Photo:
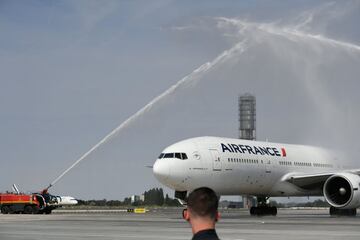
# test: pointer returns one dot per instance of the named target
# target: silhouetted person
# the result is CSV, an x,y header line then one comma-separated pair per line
x,y
202,213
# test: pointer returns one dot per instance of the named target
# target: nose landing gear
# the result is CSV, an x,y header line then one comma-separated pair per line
x,y
263,208
181,197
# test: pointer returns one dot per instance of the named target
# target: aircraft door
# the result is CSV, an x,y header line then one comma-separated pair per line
x,y
268,166
216,159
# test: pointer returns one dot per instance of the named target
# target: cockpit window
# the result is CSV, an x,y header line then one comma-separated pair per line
x,y
169,155
182,156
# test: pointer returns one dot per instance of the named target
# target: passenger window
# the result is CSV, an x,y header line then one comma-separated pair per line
x,y
161,156
169,155
183,156
178,155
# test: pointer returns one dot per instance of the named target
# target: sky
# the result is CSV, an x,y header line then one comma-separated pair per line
x,y
72,71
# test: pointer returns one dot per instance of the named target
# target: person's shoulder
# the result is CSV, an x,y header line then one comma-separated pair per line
x,y
209,234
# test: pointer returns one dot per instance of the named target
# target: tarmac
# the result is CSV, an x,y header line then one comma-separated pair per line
x,y
235,224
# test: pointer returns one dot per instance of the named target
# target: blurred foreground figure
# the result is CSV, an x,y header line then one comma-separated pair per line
x,y
202,213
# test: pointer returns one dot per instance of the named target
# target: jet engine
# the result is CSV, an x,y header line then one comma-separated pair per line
x,y
342,190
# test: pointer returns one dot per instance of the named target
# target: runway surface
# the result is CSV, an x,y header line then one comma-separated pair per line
x,y
168,224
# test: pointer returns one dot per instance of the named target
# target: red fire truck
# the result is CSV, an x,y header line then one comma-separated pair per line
x,y
26,203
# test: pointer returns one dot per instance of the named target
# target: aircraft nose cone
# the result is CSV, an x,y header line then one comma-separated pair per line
x,y
161,170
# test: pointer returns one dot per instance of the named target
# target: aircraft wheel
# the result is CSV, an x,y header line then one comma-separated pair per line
x,y
253,211
332,211
342,212
48,211
263,211
353,212
35,209
11,211
5,210
273,211
28,210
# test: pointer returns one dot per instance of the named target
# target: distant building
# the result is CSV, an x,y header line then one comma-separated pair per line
x,y
142,197
135,198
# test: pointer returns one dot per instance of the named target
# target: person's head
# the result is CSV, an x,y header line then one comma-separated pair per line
x,y
202,205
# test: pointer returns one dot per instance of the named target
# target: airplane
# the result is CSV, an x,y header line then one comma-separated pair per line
x,y
260,169
65,201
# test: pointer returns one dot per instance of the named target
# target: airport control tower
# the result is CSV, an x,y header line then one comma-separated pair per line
x,y
247,128
247,117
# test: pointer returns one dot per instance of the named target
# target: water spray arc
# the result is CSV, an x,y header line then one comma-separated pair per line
x,y
189,79
287,32
292,34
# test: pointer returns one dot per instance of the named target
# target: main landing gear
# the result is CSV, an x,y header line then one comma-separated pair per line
x,y
263,208
342,212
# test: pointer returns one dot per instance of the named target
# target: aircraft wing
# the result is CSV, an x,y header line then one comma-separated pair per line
x,y
313,181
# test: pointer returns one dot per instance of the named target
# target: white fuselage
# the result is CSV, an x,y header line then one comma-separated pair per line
x,y
240,167
62,201
66,200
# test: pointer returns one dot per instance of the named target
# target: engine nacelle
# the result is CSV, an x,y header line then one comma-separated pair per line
x,y
342,190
